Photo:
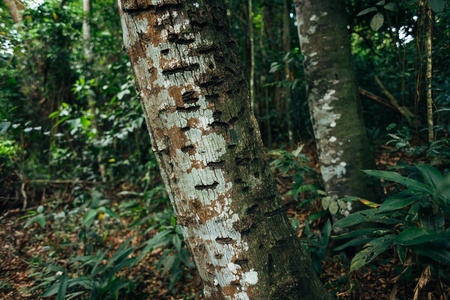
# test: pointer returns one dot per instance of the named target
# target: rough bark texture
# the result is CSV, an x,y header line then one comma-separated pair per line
x,y
333,100
207,142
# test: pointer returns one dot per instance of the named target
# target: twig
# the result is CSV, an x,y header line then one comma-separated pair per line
x,y
63,181
403,110
376,98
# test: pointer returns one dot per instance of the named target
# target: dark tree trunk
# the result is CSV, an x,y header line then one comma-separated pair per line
x,y
334,105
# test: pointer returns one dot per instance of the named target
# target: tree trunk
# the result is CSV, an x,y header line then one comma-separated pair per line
x,y
287,70
428,76
12,7
333,100
252,55
207,143
87,8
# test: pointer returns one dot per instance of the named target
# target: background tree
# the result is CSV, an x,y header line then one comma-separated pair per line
x,y
339,129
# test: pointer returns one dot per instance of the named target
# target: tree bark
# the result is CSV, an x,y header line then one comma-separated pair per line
x,y
252,55
12,7
429,72
207,143
333,100
287,70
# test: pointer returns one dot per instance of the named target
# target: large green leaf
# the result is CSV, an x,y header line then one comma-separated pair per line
x,y
62,288
415,236
355,218
438,254
377,21
442,191
371,250
432,176
354,242
408,182
399,201
90,215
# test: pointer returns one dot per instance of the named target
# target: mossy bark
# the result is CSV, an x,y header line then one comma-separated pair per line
x,y
196,102
334,105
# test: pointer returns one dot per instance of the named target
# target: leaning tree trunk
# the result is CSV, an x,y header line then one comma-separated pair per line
x,y
207,142
333,100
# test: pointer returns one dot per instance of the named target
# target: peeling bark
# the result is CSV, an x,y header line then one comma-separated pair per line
x,y
333,100
207,142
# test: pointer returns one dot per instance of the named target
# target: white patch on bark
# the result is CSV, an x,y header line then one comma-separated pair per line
x,y
333,138
251,277
329,172
313,18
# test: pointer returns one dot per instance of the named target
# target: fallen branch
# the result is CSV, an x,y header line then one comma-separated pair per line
x,y
402,109
63,181
374,97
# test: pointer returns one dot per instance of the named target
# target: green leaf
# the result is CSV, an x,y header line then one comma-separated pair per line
x,y
393,176
391,6
317,215
366,11
82,281
28,223
442,191
40,209
438,254
90,215
415,236
356,218
370,251
109,211
41,220
62,288
432,176
354,242
377,21
362,232
398,201
334,207
176,242
50,291
437,5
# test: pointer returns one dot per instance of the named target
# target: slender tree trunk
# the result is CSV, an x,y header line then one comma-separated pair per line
x,y
207,143
88,54
252,54
428,76
12,7
333,100
87,36
287,70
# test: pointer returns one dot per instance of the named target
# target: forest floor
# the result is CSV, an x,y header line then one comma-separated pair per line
x,y
22,251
